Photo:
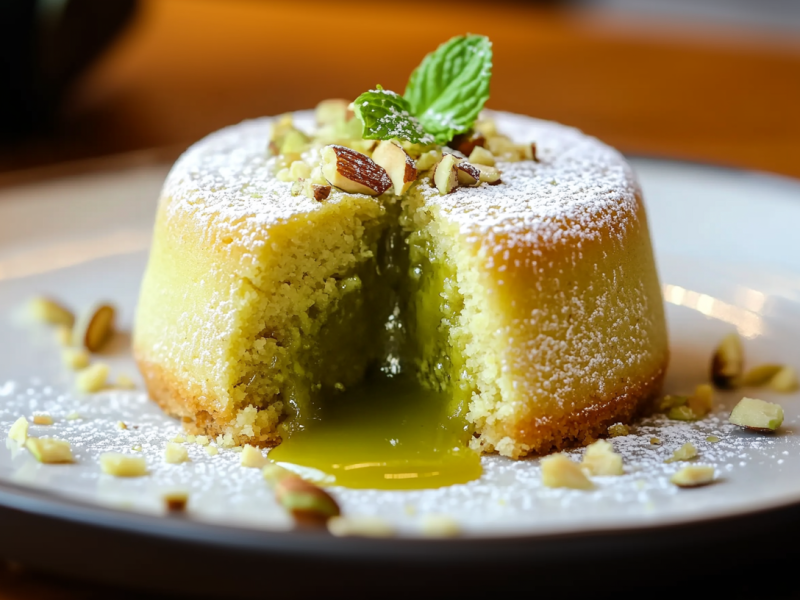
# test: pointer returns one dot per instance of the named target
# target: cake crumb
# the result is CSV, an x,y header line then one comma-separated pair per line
x,y
179,439
693,476
122,465
600,459
212,450
175,453
19,431
92,379
373,527
202,440
42,419
191,439
618,430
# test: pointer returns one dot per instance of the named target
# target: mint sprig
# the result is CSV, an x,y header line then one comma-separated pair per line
x,y
443,98
386,115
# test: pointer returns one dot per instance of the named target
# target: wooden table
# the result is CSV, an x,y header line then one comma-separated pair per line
x,y
661,88
187,67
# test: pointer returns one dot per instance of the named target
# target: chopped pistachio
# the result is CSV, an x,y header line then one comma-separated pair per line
x,y
50,311
785,380
49,450
757,415
671,401
712,439
19,431
95,327
360,526
727,362
42,419
175,453
252,457
179,439
600,459
191,439
655,441
122,465
558,471
760,375
273,473
439,526
618,430
702,401
682,413
299,170
693,476
306,502
202,440
121,425
92,379
75,358
685,452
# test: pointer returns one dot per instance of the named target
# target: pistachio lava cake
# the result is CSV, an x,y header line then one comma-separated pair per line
x,y
295,257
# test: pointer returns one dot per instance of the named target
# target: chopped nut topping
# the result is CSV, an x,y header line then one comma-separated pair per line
x,y
306,502
374,527
468,174
92,379
600,459
490,175
49,450
19,431
466,143
75,358
760,375
785,381
175,454
273,474
64,335
757,415
252,457
353,172
439,526
702,401
445,176
335,110
558,471
481,156
655,441
428,160
49,311
712,439
123,465
727,362
685,452
121,425
95,327
682,413
191,439
176,501
179,439
212,450
42,419
693,476
202,440
618,430
398,165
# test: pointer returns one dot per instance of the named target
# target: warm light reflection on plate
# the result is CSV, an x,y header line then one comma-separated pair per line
x,y
747,322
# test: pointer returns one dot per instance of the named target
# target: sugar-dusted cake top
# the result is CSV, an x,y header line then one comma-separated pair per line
x,y
578,183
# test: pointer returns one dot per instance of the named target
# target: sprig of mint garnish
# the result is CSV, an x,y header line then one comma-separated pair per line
x,y
443,98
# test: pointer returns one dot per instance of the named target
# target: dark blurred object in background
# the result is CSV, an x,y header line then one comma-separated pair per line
x,y
44,46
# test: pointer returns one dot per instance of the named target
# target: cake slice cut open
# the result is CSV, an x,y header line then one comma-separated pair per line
x,y
530,311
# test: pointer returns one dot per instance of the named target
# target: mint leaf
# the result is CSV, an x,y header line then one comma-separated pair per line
x,y
386,115
448,90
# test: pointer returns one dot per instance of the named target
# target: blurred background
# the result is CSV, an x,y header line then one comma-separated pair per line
x,y
709,80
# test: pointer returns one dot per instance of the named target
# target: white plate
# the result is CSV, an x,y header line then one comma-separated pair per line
x,y
729,258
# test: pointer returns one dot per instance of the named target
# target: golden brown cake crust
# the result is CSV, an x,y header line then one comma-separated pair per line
x,y
538,435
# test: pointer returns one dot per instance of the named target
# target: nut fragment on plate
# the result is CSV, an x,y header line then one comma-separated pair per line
x,y
50,450
212,450
398,165
490,175
175,454
123,465
713,439
273,474
19,431
353,172
306,502
92,379
445,175
42,419
600,459
75,358
702,400
655,441
685,452
693,476
558,471
727,363
50,311
618,430
439,526
252,457
760,375
757,415
468,174
785,381
682,413
176,501
95,327
373,527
